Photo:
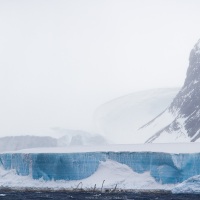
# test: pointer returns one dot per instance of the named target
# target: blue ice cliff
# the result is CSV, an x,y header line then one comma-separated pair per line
x,y
166,168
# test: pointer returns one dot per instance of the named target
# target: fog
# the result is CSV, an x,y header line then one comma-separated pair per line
x,y
61,59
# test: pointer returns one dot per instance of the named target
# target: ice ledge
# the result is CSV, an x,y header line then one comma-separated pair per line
x,y
175,148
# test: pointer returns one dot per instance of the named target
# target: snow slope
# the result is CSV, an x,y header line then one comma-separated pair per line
x,y
124,177
191,185
119,119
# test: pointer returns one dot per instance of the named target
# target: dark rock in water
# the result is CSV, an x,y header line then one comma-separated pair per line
x,y
185,109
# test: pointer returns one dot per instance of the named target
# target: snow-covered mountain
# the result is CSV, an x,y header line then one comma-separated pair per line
x,y
180,122
120,118
68,138
12,143
78,137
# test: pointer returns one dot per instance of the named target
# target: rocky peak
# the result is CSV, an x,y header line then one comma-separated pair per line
x,y
185,108
193,72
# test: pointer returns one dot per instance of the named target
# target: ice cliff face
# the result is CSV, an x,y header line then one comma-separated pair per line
x,y
165,168
181,121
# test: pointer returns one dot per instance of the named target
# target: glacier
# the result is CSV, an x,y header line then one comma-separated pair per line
x,y
126,114
164,167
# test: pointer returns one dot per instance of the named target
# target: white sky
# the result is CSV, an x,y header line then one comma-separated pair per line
x,y
59,60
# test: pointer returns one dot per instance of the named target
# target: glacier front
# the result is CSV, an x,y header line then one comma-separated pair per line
x,y
164,167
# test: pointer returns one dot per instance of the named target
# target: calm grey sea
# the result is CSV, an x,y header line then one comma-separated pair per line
x,y
91,195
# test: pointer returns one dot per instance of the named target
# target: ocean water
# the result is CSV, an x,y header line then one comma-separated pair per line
x,y
13,195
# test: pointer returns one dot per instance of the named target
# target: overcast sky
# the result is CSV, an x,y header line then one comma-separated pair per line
x,y
61,59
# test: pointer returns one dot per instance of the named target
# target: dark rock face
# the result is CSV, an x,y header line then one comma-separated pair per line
x,y
186,105
187,102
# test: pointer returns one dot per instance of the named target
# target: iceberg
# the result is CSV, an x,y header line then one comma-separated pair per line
x,y
109,173
164,167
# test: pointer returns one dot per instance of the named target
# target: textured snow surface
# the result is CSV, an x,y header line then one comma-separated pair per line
x,y
119,119
155,126
161,129
109,171
179,135
192,185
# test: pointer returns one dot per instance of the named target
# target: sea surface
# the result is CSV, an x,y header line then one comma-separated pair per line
x,y
13,195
